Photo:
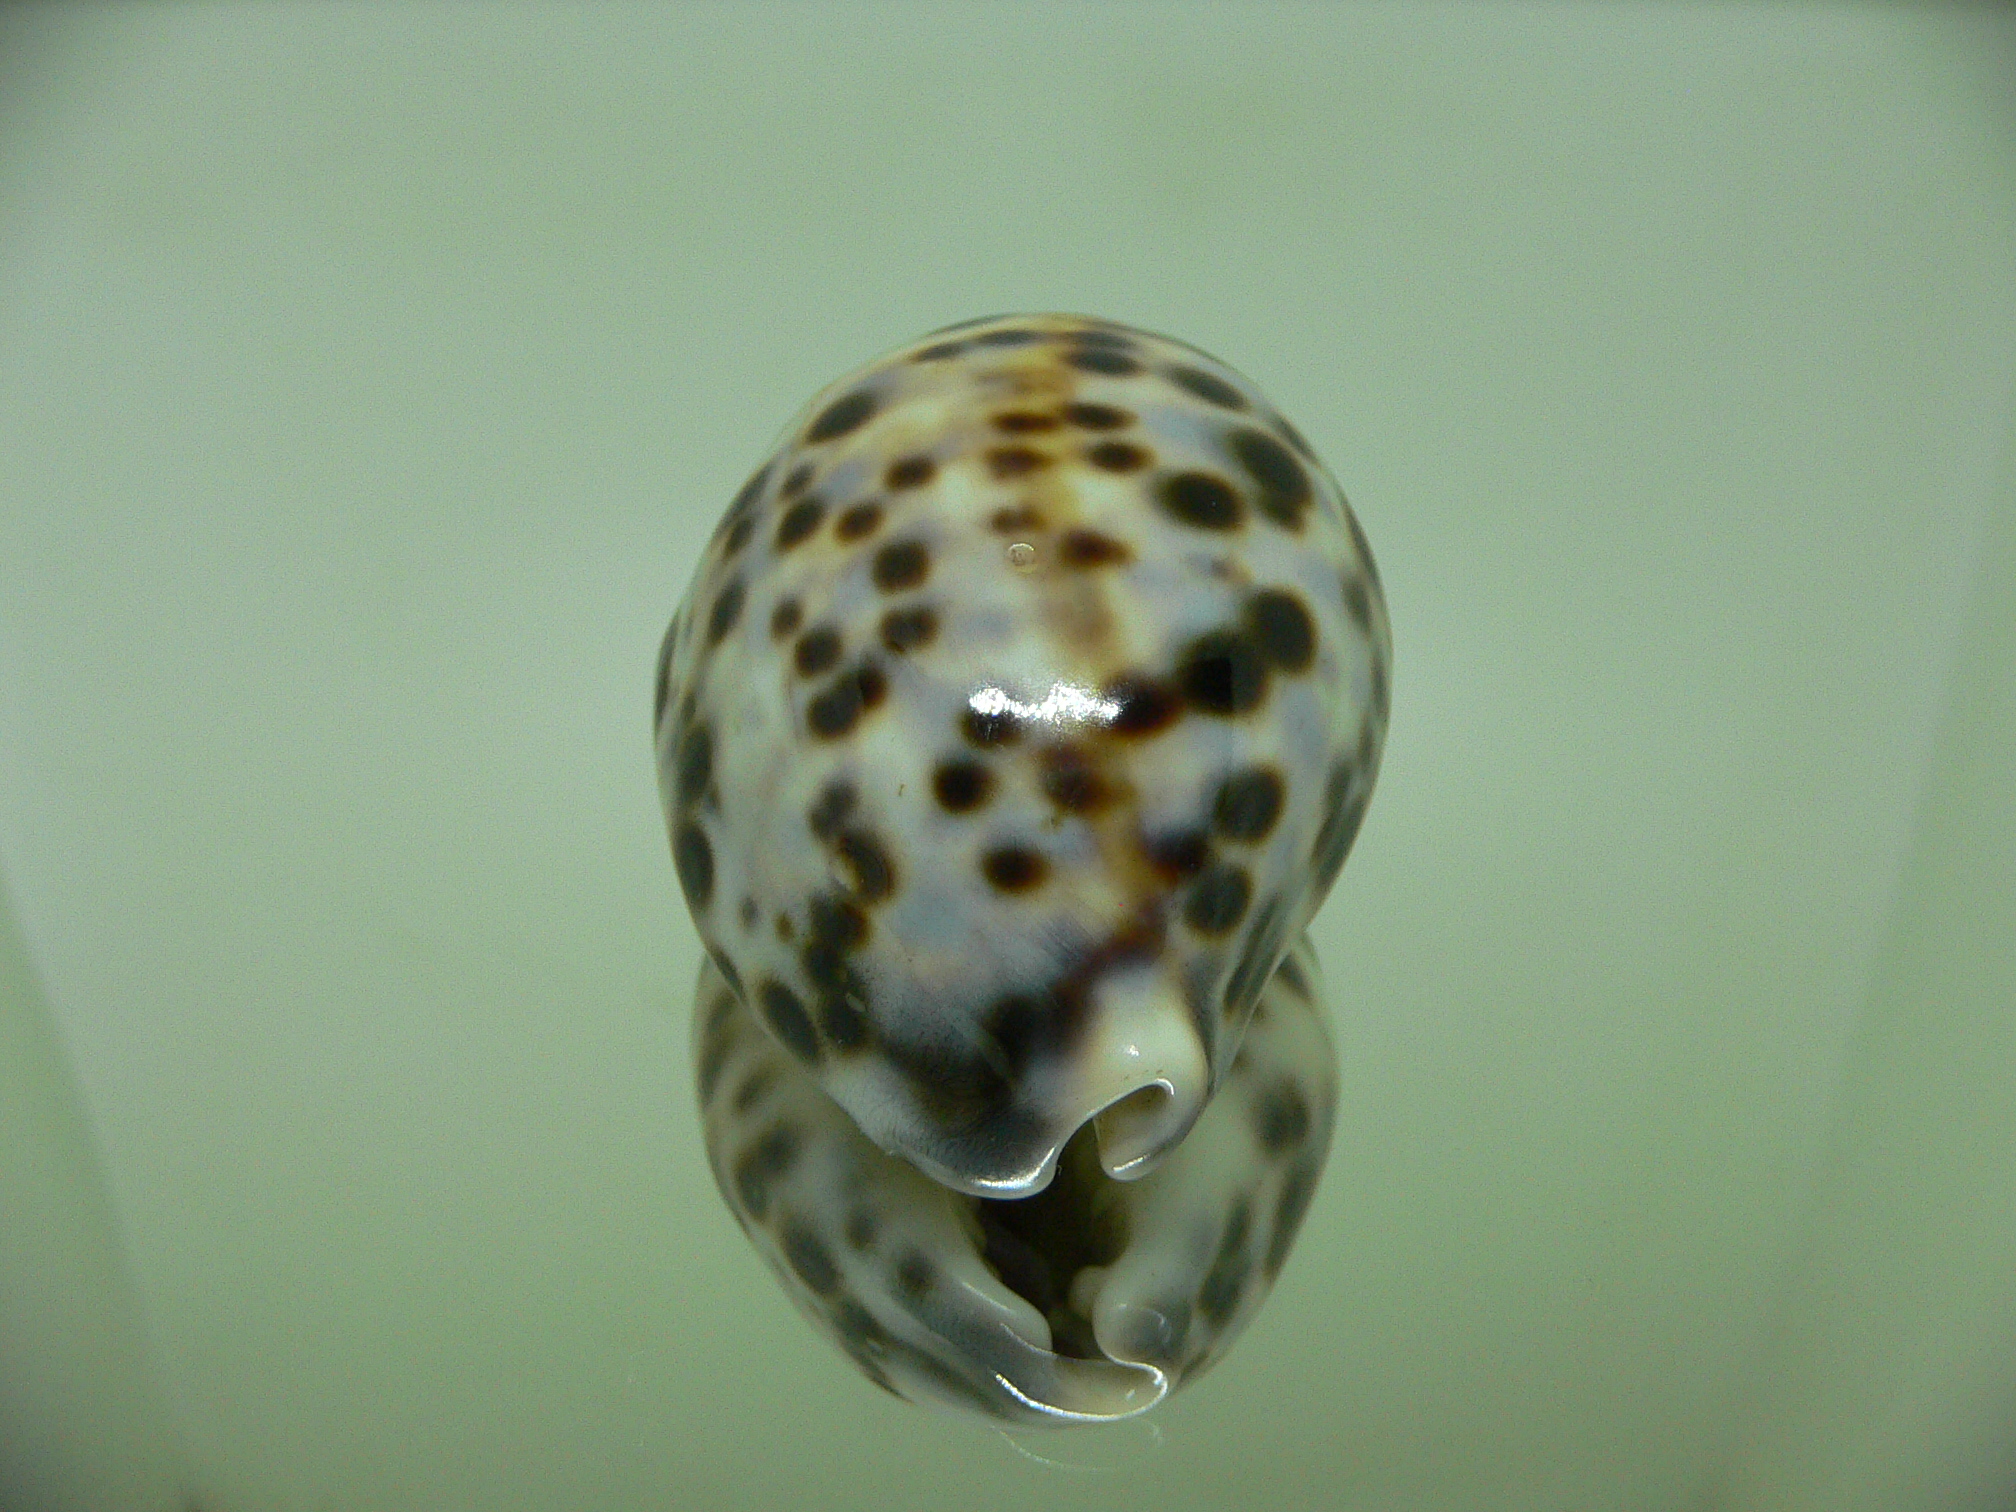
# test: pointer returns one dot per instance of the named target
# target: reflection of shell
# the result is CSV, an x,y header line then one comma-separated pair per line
x,y
1020,715
1088,1301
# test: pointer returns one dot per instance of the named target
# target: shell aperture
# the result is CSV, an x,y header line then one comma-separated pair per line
x,y
1023,708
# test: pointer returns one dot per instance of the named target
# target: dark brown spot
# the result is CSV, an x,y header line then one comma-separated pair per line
x,y
784,1012
833,920
1218,899
1248,803
861,1228
1281,485
859,520
696,763
713,1058
1014,868
991,727
1025,1029
1008,338
907,629
817,650
785,618
845,1026
900,565
738,535
1225,1283
1282,629
1256,959
727,610
834,710
910,472
799,521
1088,548
1344,812
1101,360
1206,386
1199,499
1071,781
746,497
872,873
1014,519
962,785
1118,456
842,416
693,857
1289,1210
806,1254
914,1275
1176,856
1024,422
1006,462
939,351
795,483
1223,674
1141,704
1102,335
1281,1117
754,1085
873,684
1097,417
959,1089
723,965
767,1160
830,809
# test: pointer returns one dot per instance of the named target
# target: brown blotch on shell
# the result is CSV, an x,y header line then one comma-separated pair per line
x,y
901,565
1024,422
817,650
842,416
1281,627
858,520
906,630
1014,519
989,727
1097,417
910,472
1014,868
962,785
799,521
1082,548
1208,387
727,610
868,865
1143,705
1118,456
1072,782
1005,462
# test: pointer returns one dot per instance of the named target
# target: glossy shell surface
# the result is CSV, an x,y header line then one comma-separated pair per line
x,y
1023,708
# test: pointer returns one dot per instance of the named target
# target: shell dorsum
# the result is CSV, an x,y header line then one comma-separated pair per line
x,y
1021,713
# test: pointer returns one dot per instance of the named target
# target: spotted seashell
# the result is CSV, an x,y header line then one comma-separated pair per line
x,y
1021,713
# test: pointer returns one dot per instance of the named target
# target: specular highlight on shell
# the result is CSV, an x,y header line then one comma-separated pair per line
x,y
1022,710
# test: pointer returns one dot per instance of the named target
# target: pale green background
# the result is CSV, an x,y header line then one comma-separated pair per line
x,y
368,380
